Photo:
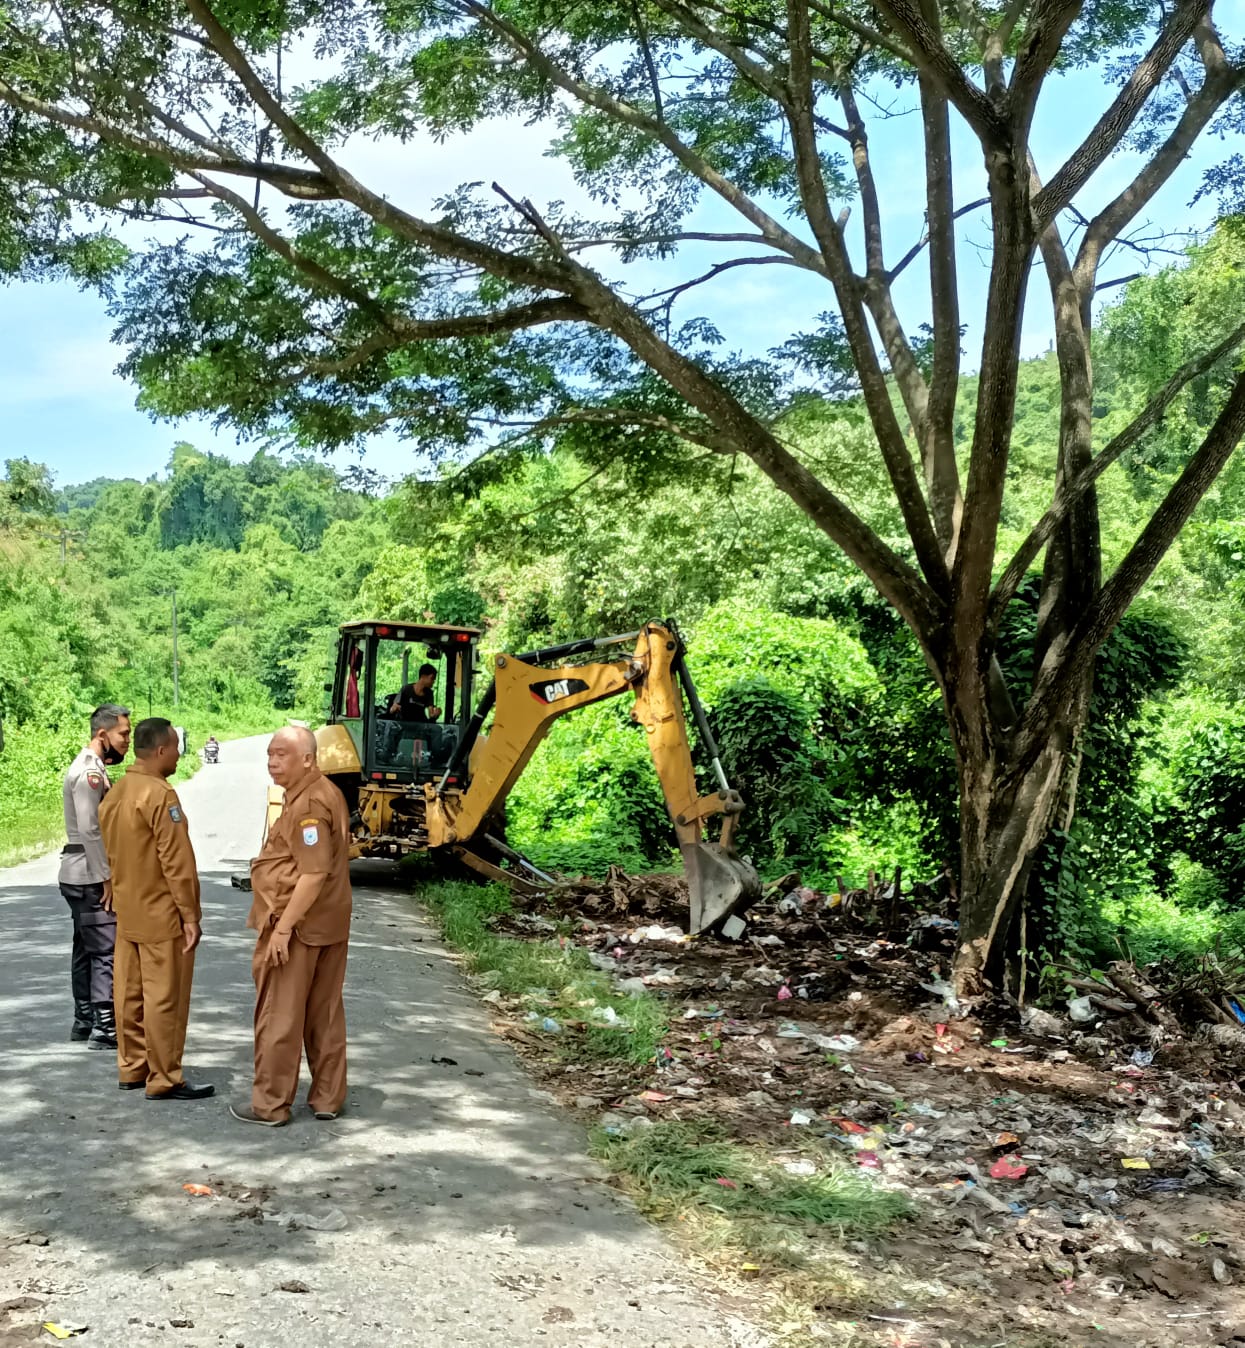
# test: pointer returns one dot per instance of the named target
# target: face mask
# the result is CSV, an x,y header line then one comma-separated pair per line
x,y
110,755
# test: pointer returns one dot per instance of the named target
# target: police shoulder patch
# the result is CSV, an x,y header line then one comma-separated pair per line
x,y
95,780
175,814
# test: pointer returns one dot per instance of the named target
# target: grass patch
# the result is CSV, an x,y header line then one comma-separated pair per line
x,y
554,978
679,1164
766,1225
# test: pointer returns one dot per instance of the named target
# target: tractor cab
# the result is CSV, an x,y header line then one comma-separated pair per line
x,y
403,693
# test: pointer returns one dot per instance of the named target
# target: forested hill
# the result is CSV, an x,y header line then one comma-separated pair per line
x,y
826,715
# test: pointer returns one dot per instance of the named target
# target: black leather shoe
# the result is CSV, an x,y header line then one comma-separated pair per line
x,y
184,1090
131,1085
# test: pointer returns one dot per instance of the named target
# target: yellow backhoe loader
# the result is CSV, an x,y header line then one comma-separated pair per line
x,y
440,785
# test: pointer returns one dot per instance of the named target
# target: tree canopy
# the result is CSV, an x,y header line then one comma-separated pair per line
x,y
323,308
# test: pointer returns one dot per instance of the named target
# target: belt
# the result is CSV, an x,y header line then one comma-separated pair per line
x,y
72,849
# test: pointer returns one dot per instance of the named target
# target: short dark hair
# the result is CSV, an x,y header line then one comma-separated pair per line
x,y
150,734
105,716
427,669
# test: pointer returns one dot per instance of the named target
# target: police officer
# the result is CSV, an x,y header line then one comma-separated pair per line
x,y
301,882
156,896
85,879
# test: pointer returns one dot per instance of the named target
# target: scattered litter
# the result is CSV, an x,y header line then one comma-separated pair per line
x,y
1081,1009
605,1015
784,993
1134,1163
453,1062
1142,1057
656,933
801,1118
727,1183
293,1285
654,1097
837,1043
63,1331
804,1169
734,927
1009,1167
199,1190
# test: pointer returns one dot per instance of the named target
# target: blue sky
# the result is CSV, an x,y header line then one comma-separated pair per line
x,y
62,404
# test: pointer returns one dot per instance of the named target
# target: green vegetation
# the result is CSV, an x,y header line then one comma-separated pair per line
x,y
676,1165
555,981
824,710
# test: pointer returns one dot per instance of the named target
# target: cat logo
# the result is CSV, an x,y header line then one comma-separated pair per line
x,y
554,690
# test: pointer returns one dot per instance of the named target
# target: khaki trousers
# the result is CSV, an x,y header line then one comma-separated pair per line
x,y
151,993
299,1005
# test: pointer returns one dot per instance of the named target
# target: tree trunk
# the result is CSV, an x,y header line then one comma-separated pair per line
x,y
1005,816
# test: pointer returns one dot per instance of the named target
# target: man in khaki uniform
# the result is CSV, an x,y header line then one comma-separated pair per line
x,y
301,883
85,880
155,893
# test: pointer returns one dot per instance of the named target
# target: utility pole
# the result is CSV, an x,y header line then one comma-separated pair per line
x,y
174,647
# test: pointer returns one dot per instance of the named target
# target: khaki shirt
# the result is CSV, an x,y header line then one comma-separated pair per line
x,y
311,837
155,884
85,785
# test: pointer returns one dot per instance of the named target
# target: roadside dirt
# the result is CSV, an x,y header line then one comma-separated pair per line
x,y
1074,1185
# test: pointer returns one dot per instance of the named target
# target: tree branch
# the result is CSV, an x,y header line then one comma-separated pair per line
x,y
829,236
1070,490
1068,661
919,247
1221,82
1113,125
625,113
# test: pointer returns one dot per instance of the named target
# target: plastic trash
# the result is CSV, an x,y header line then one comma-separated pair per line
x,y
1142,1057
734,927
1134,1163
1081,1009
1009,1167
784,993
199,1190
605,1015
941,988
801,1118
837,1043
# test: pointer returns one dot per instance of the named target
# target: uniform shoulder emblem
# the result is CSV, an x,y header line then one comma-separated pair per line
x,y
311,831
175,814
94,780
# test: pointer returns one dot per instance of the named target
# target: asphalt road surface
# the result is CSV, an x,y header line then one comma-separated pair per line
x,y
449,1205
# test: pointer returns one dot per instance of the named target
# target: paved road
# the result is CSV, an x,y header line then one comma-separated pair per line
x,y
451,1205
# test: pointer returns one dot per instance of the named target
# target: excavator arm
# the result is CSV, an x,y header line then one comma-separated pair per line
x,y
527,696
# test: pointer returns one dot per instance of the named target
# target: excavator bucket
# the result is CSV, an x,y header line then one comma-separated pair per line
x,y
719,884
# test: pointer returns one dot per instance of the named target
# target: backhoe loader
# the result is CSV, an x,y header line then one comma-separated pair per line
x,y
415,784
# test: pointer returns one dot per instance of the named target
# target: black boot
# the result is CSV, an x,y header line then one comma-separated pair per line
x,y
83,1020
104,1035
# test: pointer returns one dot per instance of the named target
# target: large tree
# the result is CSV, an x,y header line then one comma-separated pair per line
x,y
321,306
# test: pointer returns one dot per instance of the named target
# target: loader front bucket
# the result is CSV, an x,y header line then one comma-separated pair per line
x,y
719,883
